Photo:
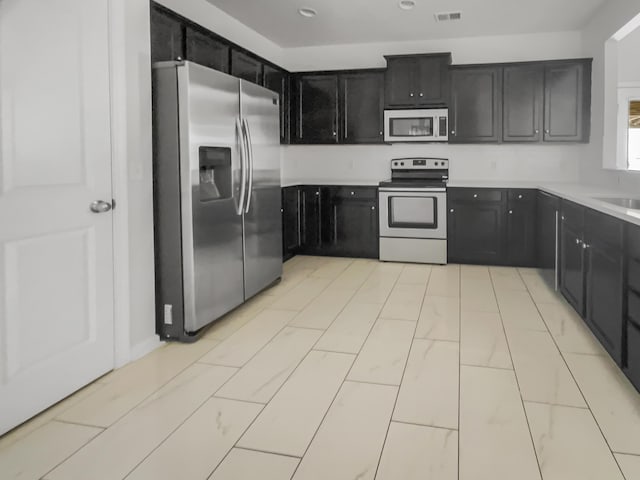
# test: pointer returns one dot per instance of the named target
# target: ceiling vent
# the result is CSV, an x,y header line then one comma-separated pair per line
x,y
448,16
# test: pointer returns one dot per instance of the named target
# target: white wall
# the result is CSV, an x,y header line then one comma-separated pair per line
x,y
507,48
628,58
472,162
609,19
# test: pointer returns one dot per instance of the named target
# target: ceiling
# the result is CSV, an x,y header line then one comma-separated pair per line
x,y
365,21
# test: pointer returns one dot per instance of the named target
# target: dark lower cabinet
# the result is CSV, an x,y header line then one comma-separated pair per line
x,y
353,222
605,280
330,220
572,256
521,228
246,67
632,324
547,216
205,50
476,225
167,38
310,219
290,221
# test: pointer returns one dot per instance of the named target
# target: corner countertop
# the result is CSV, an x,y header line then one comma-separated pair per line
x,y
586,195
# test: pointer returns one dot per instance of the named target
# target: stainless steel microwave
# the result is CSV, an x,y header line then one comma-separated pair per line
x,y
428,125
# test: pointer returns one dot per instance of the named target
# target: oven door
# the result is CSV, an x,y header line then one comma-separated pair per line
x,y
418,213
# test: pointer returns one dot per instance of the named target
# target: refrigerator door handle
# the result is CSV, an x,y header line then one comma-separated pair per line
x,y
243,169
247,133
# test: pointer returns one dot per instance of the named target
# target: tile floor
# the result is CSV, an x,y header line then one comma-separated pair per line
x,y
354,369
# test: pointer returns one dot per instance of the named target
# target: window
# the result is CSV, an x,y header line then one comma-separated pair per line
x,y
633,141
629,127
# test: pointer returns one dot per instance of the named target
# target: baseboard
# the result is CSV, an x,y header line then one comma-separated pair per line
x,y
146,346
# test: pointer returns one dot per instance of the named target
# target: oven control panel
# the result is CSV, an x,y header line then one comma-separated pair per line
x,y
419,164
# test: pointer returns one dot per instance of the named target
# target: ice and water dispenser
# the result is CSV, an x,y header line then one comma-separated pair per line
x,y
215,173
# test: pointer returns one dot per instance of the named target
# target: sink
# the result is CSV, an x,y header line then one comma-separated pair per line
x,y
632,203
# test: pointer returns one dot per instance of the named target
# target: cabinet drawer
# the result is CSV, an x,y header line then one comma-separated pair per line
x,y
361,193
521,195
603,228
634,308
573,215
633,354
476,195
633,240
634,273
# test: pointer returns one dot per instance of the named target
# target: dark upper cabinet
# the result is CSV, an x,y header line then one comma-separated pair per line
x,y
521,228
352,221
277,80
417,80
246,67
361,107
522,103
310,219
567,101
572,255
315,109
474,108
604,297
476,225
167,36
204,49
291,231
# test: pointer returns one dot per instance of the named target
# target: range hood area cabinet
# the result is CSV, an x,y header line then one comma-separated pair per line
x,y
337,107
532,102
417,81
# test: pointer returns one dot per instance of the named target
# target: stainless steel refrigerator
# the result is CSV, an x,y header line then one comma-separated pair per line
x,y
218,225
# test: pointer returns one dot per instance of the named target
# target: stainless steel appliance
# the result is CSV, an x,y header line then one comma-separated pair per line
x,y
428,125
218,226
413,211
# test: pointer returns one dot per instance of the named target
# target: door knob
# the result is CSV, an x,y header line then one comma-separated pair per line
x,y
100,206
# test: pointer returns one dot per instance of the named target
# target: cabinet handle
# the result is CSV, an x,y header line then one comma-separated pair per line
x,y
282,210
547,132
317,193
422,94
452,210
380,133
475,195
577,241
510,212
537,131
453,132
334,134
373,208
585,246
352,193
411,94
519,197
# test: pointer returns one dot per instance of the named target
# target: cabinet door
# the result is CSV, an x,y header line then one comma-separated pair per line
x,y
167,38
291,231
523,88
432,80
310,230
572,266
521,229
400,79
246,67
206,50
567,102
633,354
604,296
316,109
353,222
278,81
475,105
362,107
548,207
476,232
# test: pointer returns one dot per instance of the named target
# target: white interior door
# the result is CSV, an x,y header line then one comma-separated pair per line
x,y
56,259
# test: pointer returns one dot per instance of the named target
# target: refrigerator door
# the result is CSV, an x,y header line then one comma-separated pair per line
x,y
262,218
211,174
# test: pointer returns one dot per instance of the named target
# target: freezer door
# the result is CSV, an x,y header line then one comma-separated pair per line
x,y
211,186
262,218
